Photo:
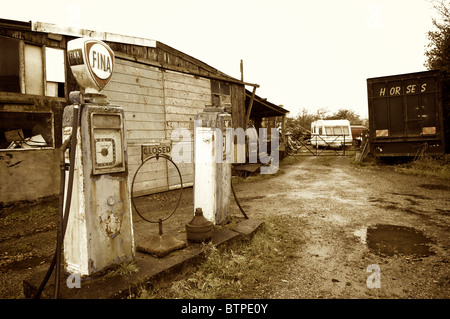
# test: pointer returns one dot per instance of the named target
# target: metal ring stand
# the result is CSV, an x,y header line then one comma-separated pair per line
x,y
157,156
162,244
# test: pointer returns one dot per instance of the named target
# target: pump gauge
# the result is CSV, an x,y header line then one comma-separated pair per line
x,y
105,151
107,143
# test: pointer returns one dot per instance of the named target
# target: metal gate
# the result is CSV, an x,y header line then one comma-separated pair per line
x,y
326,148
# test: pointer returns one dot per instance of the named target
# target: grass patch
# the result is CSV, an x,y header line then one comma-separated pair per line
x,y
437,166
123,269
27,212
235,270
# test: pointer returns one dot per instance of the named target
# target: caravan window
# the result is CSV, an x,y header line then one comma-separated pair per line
x,y
337,130
345,130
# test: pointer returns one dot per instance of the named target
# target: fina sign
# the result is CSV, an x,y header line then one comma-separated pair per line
x,y
92,63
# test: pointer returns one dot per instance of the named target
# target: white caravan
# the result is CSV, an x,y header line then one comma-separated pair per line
x,y
331,133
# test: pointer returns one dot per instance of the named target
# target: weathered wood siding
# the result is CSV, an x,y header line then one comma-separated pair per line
x,y
156,103
185,96
238,105
139,90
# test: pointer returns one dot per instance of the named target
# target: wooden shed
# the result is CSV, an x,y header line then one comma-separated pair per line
x,y
160,88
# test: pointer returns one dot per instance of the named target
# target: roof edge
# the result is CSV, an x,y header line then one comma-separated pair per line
x,y
104,36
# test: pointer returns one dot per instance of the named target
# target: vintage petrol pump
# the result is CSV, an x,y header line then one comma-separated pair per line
x,y
213,139
99,231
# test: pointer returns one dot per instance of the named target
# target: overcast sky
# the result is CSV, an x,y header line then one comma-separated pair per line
x,y
303,54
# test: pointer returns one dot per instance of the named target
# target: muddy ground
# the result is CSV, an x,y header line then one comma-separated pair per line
x,y
358,231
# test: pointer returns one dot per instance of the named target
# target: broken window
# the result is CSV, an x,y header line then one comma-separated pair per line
x,y
221,93
31,69
34,70
55,72
9,65
26,130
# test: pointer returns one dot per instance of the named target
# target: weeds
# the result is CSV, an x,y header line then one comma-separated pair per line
x,y
437,166
236,270
123,269
25,212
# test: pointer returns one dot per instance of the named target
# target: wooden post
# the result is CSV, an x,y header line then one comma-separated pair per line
x,y
247,118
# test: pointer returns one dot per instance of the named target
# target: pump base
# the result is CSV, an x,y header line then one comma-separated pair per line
x,y
160,245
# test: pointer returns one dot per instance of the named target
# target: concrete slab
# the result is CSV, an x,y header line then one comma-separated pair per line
x,y
248,227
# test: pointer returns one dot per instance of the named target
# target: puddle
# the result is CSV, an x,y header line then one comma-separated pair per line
x,y
391,239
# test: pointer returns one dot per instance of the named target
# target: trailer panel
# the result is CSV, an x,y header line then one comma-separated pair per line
x,y
407,114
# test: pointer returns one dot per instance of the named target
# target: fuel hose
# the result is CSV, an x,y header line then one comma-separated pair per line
x,y
63,214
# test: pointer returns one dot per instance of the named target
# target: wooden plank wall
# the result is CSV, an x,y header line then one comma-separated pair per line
x,y
185,96
238,105
139,90
156,103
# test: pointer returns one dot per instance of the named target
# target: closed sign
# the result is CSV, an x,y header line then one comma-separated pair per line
x,y
153,149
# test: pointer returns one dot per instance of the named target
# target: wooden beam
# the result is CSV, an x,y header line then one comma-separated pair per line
x,y
247,118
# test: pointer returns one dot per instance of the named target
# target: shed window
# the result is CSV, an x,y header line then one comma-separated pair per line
x,y
29,69
220,93
34,70
9,65
26,130
54,72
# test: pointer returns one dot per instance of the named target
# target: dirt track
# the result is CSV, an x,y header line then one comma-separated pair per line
x,y
330,207
334,208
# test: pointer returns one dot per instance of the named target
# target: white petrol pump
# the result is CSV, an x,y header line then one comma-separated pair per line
x,y
99,230
212,164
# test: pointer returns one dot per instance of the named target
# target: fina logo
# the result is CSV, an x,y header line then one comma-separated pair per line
x,y
92,63
100,62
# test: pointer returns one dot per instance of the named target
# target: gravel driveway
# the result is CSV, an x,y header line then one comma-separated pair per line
x,y
357,232
361,232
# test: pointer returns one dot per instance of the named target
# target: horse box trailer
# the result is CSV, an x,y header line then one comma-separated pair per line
x,y
409,114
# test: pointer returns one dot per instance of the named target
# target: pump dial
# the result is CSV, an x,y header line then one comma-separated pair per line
x,y
105,151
